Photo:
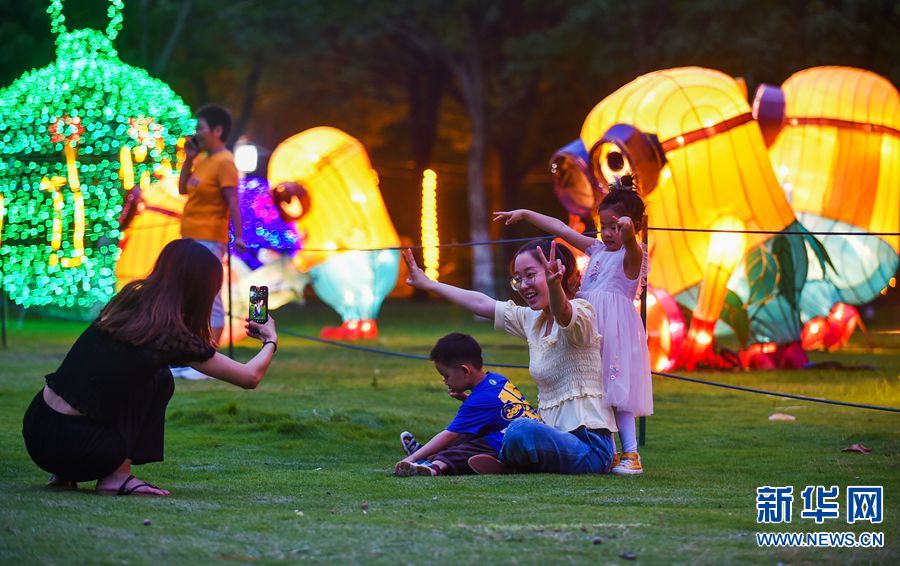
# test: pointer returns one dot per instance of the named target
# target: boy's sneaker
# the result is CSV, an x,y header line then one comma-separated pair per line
x,y
408,469
629,465
409,443
617,457
485,464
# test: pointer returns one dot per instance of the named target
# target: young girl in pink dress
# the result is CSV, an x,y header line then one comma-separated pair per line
x,y
611,283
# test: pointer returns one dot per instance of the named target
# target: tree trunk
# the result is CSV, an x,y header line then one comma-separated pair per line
x,y
251,86
511,146
174,35
510,183
426,83
145,32
468,69
473,90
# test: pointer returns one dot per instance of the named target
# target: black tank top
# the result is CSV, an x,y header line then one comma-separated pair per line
x,y
99,373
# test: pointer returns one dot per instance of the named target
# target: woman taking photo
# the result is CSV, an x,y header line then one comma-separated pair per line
x,y
104,409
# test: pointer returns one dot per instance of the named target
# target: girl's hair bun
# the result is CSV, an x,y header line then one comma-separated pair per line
x,y
622,183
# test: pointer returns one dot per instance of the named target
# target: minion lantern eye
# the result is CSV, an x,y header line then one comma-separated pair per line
x,y
625,150
292,200
615,161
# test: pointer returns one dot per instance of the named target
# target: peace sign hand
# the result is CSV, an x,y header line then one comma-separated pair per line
x,y
554,269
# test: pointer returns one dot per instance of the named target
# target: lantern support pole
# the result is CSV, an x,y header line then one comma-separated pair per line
x,y
228,320
642,421
3,314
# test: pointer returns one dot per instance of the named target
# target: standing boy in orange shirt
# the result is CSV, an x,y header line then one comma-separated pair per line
x,y
210,178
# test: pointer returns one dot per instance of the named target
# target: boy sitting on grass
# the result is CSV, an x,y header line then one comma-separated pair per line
x,y
478,427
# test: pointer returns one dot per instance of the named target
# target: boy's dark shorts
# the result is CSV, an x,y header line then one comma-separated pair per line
x,y
457,455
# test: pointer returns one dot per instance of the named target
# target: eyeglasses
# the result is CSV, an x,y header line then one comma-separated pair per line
x,y
517,282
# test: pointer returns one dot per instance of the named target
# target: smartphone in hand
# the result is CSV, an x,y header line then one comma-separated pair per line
x,y
192,143
259,304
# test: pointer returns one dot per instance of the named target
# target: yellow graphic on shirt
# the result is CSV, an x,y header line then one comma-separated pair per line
x,y
515,405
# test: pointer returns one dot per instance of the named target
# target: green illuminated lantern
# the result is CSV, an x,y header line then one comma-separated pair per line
x,y
75,138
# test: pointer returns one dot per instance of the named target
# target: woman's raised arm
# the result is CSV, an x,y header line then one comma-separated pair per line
x,y
246,375
478,303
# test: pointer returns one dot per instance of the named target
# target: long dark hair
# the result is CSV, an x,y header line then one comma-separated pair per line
x,y
174,301
570,279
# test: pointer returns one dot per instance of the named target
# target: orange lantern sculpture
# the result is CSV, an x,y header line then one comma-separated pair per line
x,y
327,174
665,329
689,137
835,147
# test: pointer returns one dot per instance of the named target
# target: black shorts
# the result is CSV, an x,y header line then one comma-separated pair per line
x,y
83,449
457,455
72,447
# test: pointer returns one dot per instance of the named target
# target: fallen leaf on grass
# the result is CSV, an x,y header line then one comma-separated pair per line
x,y
857,448
782,417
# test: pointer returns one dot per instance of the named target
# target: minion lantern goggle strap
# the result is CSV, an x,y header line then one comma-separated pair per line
x,y
625,150
769,109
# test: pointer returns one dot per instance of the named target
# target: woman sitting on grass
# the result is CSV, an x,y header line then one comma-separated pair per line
x,y
104,409
564,361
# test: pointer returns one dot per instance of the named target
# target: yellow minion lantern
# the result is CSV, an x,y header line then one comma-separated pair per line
x,y
689,138
835,147
323,178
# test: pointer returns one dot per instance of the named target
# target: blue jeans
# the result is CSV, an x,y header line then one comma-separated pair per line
x,y
538,447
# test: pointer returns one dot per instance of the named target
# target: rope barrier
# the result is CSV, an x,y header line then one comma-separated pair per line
x,y
777,393
594,233
658,373
775,232
549,237
372,350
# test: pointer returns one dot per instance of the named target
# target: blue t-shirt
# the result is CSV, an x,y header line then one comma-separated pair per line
x,y
489,409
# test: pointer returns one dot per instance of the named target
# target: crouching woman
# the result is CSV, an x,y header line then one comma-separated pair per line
x,y
104,409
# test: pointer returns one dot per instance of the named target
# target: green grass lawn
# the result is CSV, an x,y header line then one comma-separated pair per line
x,y
300,468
